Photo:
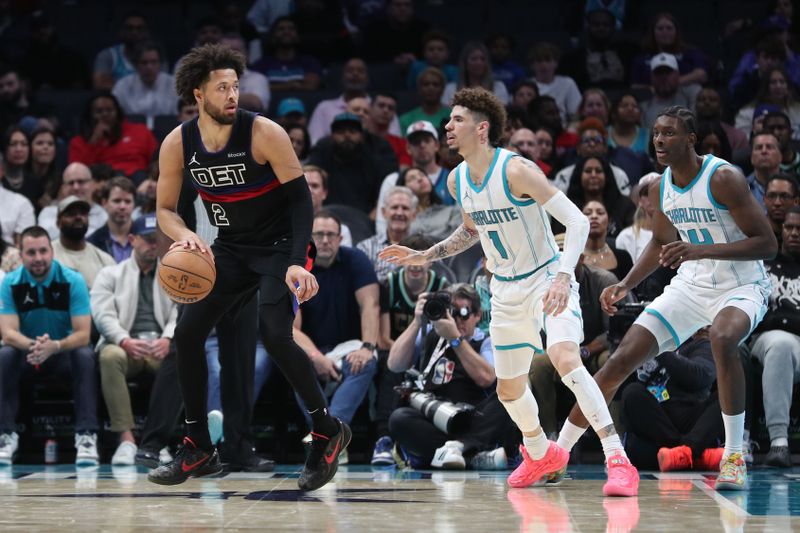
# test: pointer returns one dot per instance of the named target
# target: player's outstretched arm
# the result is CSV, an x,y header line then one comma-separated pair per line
x,y
168,190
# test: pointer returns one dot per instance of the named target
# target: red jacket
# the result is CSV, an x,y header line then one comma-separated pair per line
x,y
131,153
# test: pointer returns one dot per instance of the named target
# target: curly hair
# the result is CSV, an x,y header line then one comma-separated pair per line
x,y
486,106
196,66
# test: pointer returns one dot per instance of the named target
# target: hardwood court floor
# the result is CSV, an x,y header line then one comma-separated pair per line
x,y
35,498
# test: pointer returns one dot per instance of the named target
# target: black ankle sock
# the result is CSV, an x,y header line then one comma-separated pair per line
x,y
323,422
198,432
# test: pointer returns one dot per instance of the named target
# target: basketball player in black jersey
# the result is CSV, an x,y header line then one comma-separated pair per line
x,y
254,191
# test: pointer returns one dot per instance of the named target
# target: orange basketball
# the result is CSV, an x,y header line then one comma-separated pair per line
x,y
187,276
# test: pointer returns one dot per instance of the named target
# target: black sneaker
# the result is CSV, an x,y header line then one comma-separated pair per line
x,y
190,461
253,463
323,459
779,456
146,458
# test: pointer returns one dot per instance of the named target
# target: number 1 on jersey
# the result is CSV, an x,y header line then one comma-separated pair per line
x,y
498,244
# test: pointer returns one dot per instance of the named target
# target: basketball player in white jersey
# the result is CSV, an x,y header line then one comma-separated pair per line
x,y
720,282
505,201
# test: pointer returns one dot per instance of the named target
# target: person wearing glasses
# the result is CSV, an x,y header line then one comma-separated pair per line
x,y
780,196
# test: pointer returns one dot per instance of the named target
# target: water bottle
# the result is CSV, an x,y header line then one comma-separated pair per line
x,y
51,451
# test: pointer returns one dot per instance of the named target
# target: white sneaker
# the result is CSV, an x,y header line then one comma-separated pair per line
x,y
86,444
125,454
9,442
164,456
450,456
491,460
215,426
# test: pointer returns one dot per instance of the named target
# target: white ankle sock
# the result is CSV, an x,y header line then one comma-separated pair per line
x,y
780,441
734,433
536,446
612,446
570,434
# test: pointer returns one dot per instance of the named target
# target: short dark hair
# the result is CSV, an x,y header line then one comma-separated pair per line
x,y
34,232
468,292
783,176
794,210
482,102
120,182
684,116
417,241
324,213
196,66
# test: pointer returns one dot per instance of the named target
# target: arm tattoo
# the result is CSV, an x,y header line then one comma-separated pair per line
x,y
461,239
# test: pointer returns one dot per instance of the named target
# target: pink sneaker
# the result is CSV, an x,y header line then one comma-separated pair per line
x,y
530,471
623,478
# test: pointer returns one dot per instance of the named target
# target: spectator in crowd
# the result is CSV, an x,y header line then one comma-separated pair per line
x,y
665,37
42,165
117,198
423,146
780,126
673,417
45,322
381,113
77,181
594,103
317,180
395,36
665,78
117,61
433,218
354,168
711,139
545,139
231,17
254,87
523,92
774,89
457,365
345,308
594,143
15,100
107,137
766,160
399,209
430,85
355,80
398,300
598,252
635,237
600,60
16,215
136,321
475,70
15,163
186,110
282,63
71,249
594,350
207,30
148,91
543,111
292,111
501,48
525,143
9,255
781,195
708,108
301,143
48,63
543,59
776,344
435,53
625,125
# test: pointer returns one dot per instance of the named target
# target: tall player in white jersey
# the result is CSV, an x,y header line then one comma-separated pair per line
x,y
708,226
505,201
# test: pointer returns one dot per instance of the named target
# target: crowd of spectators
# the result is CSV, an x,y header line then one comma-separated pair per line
x,y
363,91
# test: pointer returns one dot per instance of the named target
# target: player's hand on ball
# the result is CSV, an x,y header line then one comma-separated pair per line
x,y
191,241
302,283
611,295
401,255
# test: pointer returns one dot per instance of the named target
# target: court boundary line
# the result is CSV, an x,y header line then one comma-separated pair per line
x,y
721,500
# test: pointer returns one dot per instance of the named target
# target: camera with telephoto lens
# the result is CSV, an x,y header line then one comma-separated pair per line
x,y
448,417
437,305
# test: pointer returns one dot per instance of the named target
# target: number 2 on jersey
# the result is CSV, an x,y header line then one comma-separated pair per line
x,y
220,218
498,244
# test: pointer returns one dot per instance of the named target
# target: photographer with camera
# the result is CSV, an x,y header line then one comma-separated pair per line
x,y
455,363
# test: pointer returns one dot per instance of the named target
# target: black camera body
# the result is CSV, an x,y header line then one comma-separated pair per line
x,y
436,306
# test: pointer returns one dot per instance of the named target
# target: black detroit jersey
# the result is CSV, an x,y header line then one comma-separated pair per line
x,y
243,199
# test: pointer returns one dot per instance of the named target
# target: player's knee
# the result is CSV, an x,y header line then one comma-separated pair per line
x,y
509,390
724,340
565,357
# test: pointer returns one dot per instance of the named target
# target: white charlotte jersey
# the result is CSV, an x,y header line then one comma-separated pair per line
x,y
700,219
515,233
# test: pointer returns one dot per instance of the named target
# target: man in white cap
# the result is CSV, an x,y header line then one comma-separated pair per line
x,y
667,90
423,145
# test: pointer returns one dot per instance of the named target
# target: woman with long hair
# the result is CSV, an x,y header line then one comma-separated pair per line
x,y
475,70
776,89
598,252
625,129
16,153
595,103
711,139
42,164
593,179
301,141
433,219
635,237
